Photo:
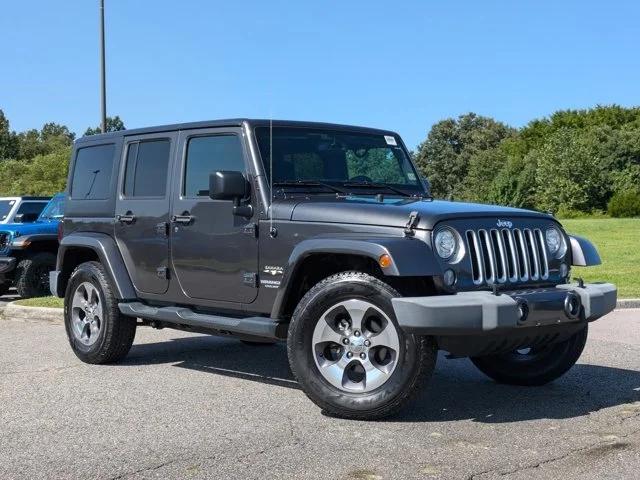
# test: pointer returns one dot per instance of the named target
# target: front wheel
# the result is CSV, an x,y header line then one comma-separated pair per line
x,y
348,353
534,366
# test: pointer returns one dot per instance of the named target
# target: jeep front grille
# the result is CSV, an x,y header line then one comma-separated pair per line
x,y
4,242
501,256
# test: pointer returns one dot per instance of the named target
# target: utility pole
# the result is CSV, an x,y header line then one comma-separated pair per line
x,y
103,80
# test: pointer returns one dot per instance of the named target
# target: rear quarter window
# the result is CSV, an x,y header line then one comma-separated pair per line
x,y
92,172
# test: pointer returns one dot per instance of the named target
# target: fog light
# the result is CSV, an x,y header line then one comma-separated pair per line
x,y
449,278
564,270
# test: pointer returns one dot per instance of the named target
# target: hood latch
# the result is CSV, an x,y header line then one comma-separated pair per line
x,y
409,228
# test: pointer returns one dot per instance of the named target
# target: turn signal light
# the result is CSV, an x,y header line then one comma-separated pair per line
x,y
385,260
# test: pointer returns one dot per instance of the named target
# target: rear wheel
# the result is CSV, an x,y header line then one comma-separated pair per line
x,y
32,275
534,366
97,331
348,353
4,288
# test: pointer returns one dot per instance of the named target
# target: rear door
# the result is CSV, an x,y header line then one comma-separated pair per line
x,y
142,210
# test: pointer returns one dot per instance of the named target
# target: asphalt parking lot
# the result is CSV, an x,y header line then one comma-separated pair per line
x,y
190,407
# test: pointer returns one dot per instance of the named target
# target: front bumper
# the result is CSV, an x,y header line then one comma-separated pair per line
x,y
7,264
472,313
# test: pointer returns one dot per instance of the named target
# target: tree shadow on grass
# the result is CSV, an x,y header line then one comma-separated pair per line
x,y
457,391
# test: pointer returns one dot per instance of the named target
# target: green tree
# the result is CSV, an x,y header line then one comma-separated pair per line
x,y
8,139
42,175
114,124
53,137
444,157
569,174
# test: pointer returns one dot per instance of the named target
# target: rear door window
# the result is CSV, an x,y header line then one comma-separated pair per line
x,y
146,169
92,172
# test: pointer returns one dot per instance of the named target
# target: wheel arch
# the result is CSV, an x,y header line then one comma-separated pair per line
x,y
412,266
79,248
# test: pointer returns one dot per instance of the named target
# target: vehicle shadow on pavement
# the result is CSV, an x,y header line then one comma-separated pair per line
x,y
457,391
221,356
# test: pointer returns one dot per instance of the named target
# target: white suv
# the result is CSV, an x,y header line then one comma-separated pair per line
x,y
21,209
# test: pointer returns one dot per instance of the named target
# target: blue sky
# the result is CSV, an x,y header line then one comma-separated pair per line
x,y
399,65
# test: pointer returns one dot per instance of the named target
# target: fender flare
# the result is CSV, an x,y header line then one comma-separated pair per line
x,y
107,251
410,257
583,252
23,241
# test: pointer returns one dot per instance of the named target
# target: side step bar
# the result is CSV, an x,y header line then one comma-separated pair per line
x,y
251,326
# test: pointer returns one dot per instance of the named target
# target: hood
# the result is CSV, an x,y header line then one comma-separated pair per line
x,y
391,212
38,227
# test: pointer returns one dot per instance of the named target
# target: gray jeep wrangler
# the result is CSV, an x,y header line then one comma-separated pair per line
x,y
321,235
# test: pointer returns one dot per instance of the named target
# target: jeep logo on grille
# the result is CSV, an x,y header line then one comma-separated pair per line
x,y
505,223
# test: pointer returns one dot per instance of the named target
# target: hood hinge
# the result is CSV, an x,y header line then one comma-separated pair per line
x,y
409,228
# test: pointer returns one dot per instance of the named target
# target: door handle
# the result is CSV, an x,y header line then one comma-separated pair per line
x,y
184,219
128,217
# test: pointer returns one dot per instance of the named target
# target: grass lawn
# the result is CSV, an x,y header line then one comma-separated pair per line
x,y
618,242
52,302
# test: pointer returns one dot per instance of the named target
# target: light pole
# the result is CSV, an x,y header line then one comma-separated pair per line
x,y
103,80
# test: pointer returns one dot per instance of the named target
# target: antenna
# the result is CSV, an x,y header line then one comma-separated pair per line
x,y
272,231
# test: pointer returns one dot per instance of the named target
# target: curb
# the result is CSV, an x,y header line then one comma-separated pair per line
x,y
32,314
628,303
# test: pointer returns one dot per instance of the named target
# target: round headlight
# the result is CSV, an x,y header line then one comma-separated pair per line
x,y
446,243
555,242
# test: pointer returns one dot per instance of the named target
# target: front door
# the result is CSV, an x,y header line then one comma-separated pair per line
x,y
142,210
214,252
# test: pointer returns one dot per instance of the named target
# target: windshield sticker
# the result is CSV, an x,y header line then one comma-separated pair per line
x,y
411,176
390,140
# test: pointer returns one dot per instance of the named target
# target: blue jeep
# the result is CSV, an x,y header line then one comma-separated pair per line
x,y
28,251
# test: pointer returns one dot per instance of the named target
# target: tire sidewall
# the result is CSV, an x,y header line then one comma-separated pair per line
x,y
301,349
86,273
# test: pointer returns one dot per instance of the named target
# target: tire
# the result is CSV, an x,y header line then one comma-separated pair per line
x,y
415,356
537,367
4,288
32,275
97,332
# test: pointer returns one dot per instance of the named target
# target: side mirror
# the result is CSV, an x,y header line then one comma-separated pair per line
x,y
230,185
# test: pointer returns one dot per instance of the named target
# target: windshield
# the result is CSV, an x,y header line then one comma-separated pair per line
x,y
54,209
349,160
5,208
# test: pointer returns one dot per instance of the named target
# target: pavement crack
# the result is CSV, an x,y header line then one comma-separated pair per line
x,y
546,461
145,469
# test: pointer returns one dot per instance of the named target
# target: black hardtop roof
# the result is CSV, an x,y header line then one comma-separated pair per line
x,y
232,122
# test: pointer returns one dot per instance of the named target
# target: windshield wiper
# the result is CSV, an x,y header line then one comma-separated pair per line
x,y
308,183
379,185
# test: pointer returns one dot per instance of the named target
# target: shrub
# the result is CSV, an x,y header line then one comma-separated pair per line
x,y
625,204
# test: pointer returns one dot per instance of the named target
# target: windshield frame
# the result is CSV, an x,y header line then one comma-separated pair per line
x,y
419,189
55,200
